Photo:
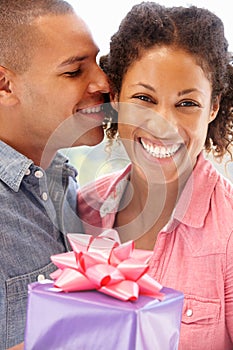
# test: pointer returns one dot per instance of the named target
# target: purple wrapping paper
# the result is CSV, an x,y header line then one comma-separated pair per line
x,y
94,321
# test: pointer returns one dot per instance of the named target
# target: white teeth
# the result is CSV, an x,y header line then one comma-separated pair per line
x,y
160,151
90,110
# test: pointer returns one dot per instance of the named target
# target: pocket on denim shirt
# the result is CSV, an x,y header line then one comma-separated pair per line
x,y
17,294
199,322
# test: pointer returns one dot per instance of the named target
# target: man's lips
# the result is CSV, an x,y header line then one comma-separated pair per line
x,y
91,109
95,112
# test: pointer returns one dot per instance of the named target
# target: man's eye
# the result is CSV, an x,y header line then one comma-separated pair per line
x,y
73,74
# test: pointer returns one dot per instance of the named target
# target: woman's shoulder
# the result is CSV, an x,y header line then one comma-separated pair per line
x,y
105,184
215,174
105,189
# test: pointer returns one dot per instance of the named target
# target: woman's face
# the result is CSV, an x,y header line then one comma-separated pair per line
x,y
164,111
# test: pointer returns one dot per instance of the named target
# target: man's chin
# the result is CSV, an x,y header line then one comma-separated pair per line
x,y
91,138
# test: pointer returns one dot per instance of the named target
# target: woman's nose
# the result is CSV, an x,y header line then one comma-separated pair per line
x,y
164,123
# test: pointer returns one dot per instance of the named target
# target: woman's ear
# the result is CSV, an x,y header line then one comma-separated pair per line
x,y
215,108
7,97
114,101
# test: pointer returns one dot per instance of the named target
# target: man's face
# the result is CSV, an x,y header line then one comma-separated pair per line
x,y
62,80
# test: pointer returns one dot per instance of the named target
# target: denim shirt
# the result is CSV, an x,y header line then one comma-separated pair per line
x,y
37,208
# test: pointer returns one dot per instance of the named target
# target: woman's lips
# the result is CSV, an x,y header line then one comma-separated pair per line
x,y
160,151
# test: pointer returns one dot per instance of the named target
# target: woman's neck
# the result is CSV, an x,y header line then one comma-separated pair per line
x,y
144,210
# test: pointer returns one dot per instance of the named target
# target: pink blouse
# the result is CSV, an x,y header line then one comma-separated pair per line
x,y
193,254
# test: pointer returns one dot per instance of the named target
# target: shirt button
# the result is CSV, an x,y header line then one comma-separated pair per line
x,y
28,172
44,196
39,174
189,312
40,278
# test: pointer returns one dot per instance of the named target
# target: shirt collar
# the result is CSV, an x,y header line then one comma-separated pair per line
x,y
194,202
14,165
112,196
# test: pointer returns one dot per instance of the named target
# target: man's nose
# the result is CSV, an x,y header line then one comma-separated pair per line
x,y
99,82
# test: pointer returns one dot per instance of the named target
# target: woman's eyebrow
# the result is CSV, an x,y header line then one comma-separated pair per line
x,y
146,86
187,91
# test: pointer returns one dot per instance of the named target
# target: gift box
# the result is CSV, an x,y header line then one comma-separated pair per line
x,y
94,321
102,298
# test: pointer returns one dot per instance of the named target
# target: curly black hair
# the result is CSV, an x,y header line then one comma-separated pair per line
x,y
196,30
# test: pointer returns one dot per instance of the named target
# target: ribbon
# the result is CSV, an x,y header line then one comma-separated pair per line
x,y
104,264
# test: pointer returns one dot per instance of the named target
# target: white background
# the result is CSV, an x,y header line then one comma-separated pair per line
x,y
104,16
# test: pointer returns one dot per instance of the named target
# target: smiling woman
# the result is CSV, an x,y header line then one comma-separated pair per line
x,y
172,93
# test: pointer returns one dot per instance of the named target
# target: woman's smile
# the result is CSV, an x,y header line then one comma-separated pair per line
x,y
158,150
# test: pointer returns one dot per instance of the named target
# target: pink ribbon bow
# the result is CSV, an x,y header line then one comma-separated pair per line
x,y
102,263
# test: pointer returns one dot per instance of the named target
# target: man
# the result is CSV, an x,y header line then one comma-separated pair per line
x,y
51,91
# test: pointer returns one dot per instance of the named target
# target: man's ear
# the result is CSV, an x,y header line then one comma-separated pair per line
x,y
215,108
7,97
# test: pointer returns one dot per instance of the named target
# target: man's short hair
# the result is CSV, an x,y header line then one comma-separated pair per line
x,y
18,35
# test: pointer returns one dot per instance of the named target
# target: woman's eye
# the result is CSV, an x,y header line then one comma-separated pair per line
x,y
188,103
73,74
143,98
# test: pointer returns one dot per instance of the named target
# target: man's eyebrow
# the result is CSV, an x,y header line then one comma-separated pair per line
x,y
72,60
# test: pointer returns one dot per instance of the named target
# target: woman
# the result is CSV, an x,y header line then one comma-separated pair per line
x,y
172,84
